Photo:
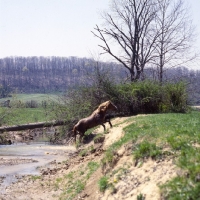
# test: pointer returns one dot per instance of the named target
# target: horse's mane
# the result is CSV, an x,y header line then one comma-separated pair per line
x,y
103,106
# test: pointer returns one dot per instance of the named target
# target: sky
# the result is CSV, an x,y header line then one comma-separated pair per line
x,y
49,27
58,27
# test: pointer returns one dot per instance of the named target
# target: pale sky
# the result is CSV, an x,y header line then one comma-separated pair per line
x,y
57,27
49,27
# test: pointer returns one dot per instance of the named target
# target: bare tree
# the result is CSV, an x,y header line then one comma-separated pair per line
x,y
154,32
129,26
176,35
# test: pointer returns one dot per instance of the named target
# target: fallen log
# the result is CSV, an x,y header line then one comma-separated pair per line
x,y
32,126
47,124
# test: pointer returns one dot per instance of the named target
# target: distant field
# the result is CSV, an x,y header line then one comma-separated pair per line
x,y
19,116
35,97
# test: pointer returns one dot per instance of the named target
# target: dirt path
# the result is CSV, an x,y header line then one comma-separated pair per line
x,y
129,180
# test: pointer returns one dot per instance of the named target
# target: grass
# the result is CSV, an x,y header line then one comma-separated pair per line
x,y
28,97
159,128
154,135
34,177
140,197
103,183
17,116
92,166
146,150
180,188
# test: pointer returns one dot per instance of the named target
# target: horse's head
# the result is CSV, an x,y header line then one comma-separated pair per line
x,y
108,105
111,106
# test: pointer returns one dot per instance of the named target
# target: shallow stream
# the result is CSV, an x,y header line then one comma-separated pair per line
x,y
25,159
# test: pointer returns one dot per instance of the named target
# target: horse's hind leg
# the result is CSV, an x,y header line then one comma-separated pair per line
x,y
110,123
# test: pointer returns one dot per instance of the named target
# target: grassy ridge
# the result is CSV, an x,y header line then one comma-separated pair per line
x,y
161,135
163,129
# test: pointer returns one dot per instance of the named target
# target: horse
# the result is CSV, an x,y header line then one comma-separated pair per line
x,y
95,119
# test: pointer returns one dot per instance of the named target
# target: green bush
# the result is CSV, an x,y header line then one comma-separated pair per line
x,y
144,96
149,97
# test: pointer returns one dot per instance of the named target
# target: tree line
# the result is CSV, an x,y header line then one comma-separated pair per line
x,y
48,74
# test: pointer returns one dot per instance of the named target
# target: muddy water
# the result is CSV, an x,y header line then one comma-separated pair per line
x,y
25,159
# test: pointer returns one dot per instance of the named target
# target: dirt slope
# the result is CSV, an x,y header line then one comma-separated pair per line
x,y
128,180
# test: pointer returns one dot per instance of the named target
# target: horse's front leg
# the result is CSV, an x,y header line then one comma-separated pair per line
x,y
110,123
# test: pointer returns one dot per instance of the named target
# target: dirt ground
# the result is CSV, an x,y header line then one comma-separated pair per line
x,y
129,180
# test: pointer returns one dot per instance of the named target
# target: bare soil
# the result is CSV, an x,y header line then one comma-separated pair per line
x,y
128,180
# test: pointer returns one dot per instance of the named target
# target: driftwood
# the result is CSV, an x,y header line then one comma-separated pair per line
x,y
32,126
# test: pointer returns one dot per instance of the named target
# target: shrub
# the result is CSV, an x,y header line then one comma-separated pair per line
x,y
31,104
145,96
175,97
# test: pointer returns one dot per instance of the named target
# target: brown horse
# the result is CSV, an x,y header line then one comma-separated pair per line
x,y
95,119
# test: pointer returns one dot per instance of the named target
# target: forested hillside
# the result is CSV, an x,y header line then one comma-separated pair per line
x,y
58,74
49,74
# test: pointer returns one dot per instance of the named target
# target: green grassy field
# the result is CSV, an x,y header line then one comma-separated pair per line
x,y
19,116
